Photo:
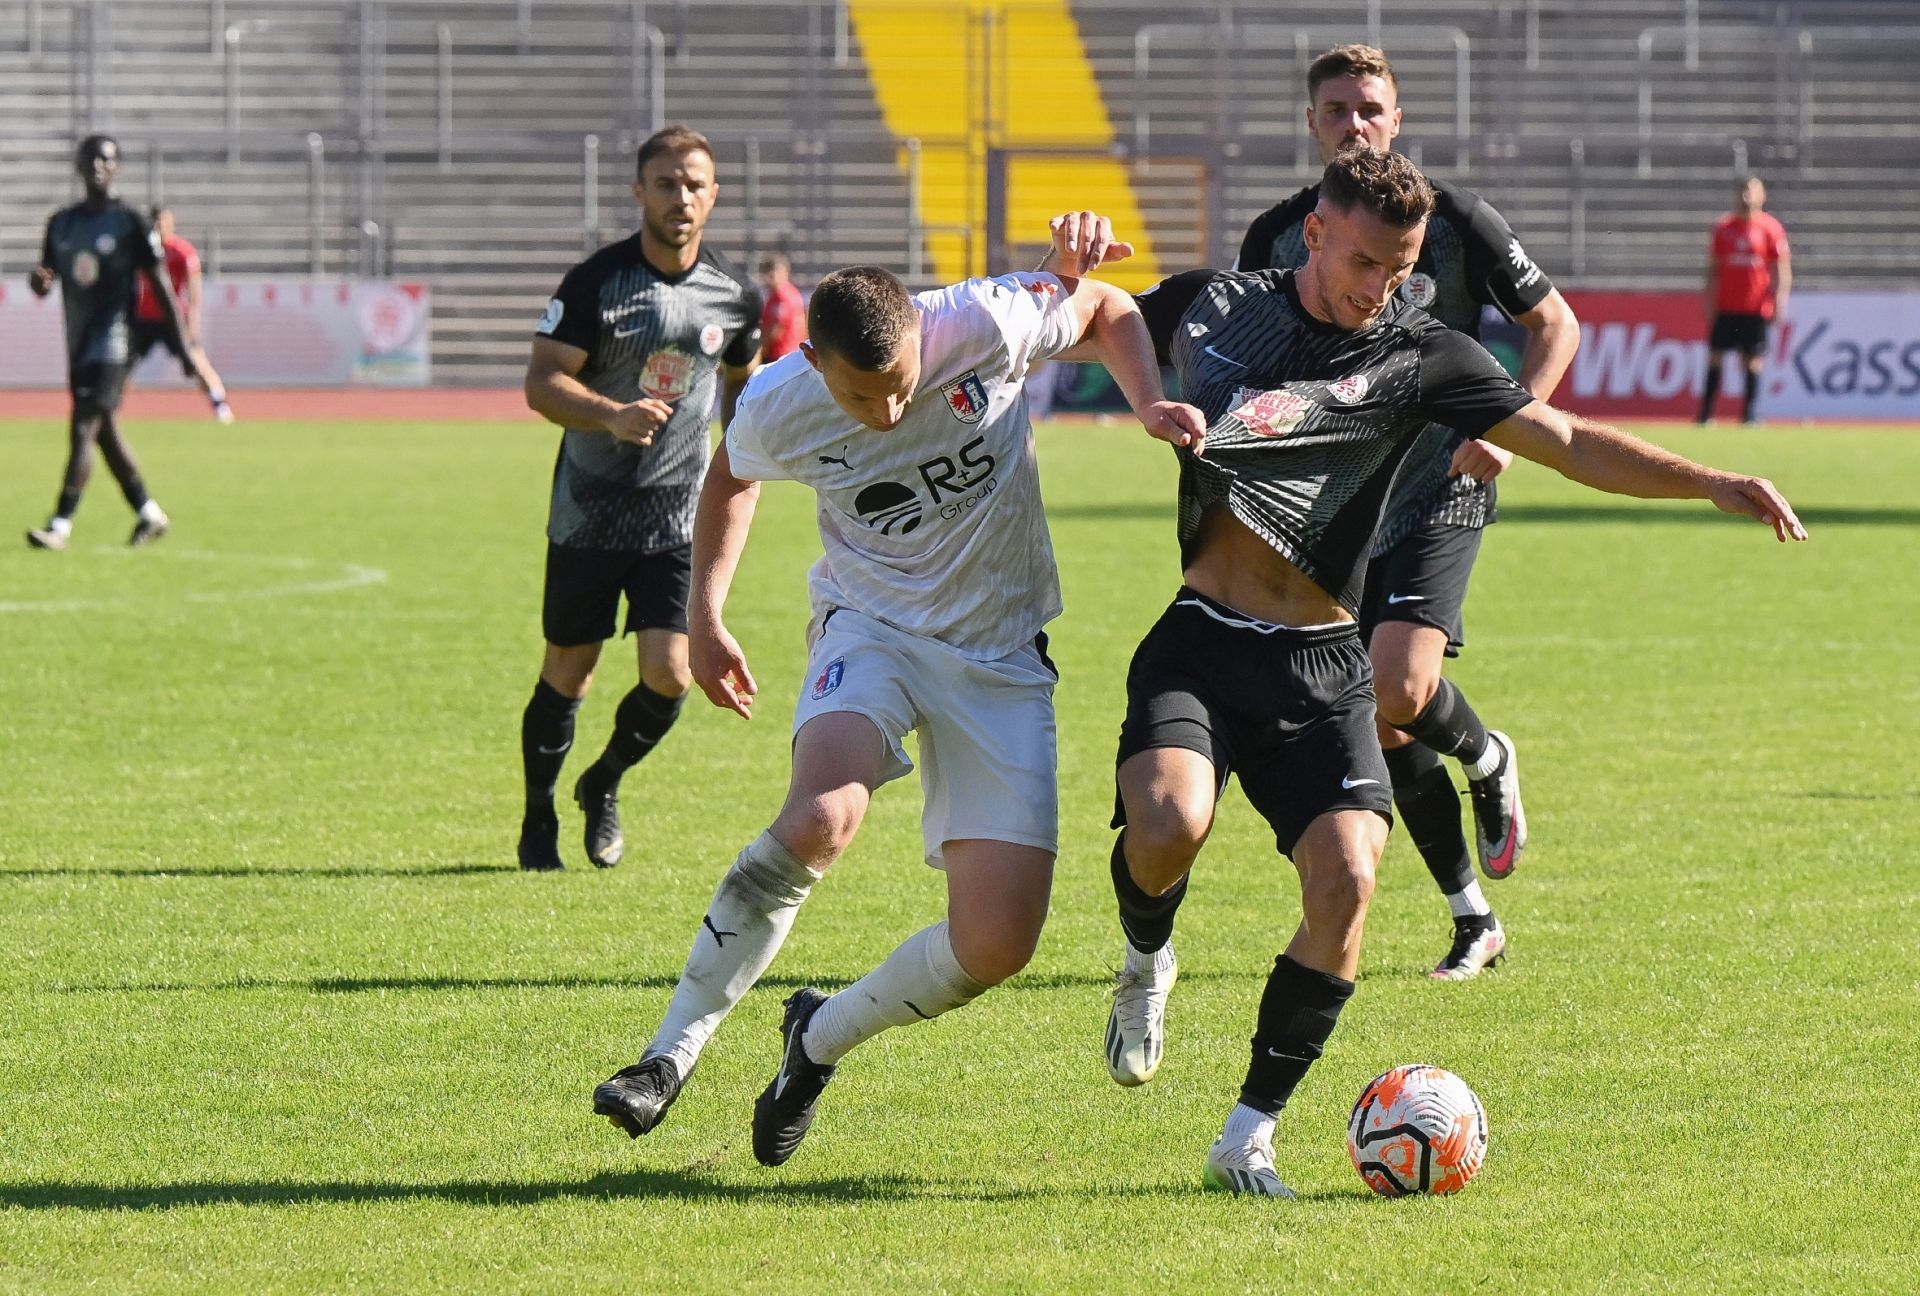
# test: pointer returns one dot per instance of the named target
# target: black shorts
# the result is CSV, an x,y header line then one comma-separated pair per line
x,y
584,587
147,334
1423,581
1746,334
99,385
1290,711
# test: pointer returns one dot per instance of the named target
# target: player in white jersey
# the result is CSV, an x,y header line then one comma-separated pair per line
x,y
907,416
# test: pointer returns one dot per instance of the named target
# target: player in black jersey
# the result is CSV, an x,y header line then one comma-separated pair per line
x,y
1410,614
626,360
1316,384
96,250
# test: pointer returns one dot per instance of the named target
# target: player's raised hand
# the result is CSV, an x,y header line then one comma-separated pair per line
x,y
719,667
1479,460
1757,498
1176,424
636,423
1083,240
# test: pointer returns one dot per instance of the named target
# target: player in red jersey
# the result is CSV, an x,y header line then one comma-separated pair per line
x,y
149,322
783,320
1749,271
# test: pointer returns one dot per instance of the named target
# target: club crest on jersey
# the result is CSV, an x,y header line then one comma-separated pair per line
x,y
1349,391
1271,413
105,245
1420,289
711,337
966,397
667,375
829,679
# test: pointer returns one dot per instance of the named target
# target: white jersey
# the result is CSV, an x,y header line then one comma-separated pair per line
x,y
935,526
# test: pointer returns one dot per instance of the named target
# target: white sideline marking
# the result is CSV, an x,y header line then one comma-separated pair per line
x,y
351,576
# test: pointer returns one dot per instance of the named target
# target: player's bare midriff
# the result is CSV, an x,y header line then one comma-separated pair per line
x,y
1234,566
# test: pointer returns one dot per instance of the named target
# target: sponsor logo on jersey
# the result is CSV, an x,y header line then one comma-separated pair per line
x,y
711,337
86,269
550,317
889,508
1271,413
1525,271
966,397
667,374
829,679
1420,289
1349,391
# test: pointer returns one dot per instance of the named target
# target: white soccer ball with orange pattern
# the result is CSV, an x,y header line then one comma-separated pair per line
x,y
1417,1129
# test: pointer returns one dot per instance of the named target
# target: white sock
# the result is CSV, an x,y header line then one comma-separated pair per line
x,y
1470,902
745,924
1245,1125
1489,763
217,396
60,525
918,981
152,512
1159,962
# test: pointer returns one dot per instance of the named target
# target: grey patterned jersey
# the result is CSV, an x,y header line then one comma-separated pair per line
x,y
1470,259
646,333
1307,422
98,252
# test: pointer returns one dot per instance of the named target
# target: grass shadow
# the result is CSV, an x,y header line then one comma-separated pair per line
x,y
344,985
1668,512
234,871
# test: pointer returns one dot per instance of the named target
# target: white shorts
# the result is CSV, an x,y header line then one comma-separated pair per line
x,y
987,762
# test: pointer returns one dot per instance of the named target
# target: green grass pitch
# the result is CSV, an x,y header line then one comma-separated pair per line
x,y
280,1015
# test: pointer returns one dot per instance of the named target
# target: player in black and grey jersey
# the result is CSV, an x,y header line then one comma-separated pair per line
x,y
1423,556
626,359
1316,384
96,250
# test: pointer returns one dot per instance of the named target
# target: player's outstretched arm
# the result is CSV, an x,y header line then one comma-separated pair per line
x,y
40,279
720,527
1605,458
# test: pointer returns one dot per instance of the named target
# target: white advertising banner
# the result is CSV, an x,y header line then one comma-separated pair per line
x,y
1836,355
293,332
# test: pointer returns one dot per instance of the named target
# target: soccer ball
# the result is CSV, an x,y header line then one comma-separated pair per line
x,y
1417,1129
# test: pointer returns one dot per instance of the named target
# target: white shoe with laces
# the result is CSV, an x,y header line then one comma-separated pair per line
x,y
1244,1168
1137,1023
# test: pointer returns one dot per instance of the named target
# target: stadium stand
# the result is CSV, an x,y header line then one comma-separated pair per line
x,y
482,145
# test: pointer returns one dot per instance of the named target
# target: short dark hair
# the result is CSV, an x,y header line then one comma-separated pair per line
x,y
156,211
675,139
1385,184
769,260
1349,60
92,146
863,315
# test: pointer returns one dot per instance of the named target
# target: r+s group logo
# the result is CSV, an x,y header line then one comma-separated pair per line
x,y
954,484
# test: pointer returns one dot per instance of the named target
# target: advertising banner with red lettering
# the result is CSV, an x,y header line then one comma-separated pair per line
x,y
1836,356
293,332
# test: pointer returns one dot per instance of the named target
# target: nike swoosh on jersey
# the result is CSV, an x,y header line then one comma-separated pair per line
x,y
1351,783
1229,359
627,333
1406,598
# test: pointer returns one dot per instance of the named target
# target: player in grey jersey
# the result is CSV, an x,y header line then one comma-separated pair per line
x,y
1422,558
1315,383
96,250
626,358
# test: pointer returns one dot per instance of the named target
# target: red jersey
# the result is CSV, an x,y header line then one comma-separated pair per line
x,y
1744,255
783,322
182,261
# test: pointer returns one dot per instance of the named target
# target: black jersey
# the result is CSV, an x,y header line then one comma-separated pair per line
x,y
98,252
1470,259
646,334
1307,422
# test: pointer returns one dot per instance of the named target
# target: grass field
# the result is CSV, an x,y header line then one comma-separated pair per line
x,y
280,1015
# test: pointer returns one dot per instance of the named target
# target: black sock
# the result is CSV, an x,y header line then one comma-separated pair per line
x,y
546,735
69,504
1713,388
639,723
1429,806
1146,919
1449,726
1748,394
1297,1013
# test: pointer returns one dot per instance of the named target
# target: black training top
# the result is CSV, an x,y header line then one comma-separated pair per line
x,y
1469,259
97,252
646,333
1307,422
